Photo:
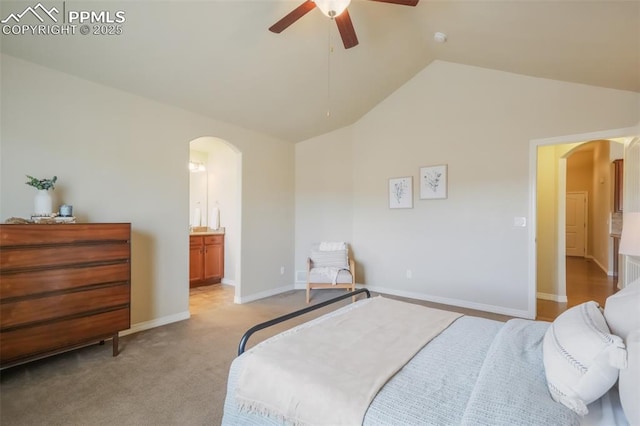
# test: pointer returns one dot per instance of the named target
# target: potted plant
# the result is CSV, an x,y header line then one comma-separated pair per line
x,y
42,201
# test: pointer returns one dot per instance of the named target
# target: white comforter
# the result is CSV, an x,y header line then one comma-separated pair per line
x,y
299,373
476,372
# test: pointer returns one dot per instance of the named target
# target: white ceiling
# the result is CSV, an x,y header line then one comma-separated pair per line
x,y
217,58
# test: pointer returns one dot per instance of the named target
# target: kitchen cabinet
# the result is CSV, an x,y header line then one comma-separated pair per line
x,y
206,259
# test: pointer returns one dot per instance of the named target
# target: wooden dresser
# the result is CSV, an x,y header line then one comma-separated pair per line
x,y
62,286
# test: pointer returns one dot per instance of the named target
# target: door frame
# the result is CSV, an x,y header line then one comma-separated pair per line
x,y
586,217
533,208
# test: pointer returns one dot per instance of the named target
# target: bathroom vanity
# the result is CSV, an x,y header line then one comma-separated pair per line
x,y
206,257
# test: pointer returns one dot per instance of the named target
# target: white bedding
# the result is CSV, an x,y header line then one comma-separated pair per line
x,y
476,372
299,373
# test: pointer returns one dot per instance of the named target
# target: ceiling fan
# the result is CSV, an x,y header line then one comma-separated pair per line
x,y
334,9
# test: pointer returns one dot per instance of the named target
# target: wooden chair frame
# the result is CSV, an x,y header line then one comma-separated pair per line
x,y
349,286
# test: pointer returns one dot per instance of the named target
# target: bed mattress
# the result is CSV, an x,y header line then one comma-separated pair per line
x,y
477,371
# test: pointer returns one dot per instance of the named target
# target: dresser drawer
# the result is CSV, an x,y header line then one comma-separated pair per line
x,y
32,234
38,309
44,281
55,336
213,239
62,255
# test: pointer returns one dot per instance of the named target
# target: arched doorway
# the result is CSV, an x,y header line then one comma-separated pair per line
x,y
547,242
215,197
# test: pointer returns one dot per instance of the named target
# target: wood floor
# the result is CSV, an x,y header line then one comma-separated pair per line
x,y
585,281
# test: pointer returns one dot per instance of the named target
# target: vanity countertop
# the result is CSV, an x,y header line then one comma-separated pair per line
x,y
209,232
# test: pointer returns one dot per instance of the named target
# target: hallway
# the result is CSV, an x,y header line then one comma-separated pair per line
x,y
585,281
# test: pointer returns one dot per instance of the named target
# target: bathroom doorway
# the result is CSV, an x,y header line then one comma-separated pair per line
x,y
215,203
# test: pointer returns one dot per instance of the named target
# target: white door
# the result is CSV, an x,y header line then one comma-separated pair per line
x,y
576,224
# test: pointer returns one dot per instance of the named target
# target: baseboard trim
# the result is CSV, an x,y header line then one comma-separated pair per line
x,y
594,260
146,325
262,294
232,283
552,297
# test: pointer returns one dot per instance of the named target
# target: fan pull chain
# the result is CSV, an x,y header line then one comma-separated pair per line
x,y
329,52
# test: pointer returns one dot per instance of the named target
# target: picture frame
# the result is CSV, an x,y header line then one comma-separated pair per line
x,y
433,182
401,192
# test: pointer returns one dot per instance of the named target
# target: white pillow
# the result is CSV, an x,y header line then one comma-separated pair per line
x,y
629,385
581,358
330,259
622,310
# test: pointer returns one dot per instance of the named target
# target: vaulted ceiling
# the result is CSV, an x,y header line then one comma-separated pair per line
x,y
217,58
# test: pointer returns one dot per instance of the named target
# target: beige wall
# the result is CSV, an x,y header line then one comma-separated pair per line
x,y
123,158
324,193
547,227
464,250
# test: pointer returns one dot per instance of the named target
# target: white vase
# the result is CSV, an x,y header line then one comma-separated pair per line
x,y
42,203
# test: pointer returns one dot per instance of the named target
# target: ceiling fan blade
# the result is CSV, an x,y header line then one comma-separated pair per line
x,y
292,16
347,32
401,2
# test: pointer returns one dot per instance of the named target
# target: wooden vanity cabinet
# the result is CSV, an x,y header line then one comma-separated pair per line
x,y
62,286
206,259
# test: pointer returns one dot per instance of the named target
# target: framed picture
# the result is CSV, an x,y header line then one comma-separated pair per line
x,y
433,182
401,193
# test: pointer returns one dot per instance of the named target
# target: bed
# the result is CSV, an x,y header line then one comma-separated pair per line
x,y
472,371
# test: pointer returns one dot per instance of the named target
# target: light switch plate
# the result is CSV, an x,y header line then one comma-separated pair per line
x,y
520,221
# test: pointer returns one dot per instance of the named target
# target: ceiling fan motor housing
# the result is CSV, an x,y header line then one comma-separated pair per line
x,y
332,8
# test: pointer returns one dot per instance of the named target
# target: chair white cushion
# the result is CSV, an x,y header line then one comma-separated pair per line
x,y
320,276
622,310
581,357
330,259
629,385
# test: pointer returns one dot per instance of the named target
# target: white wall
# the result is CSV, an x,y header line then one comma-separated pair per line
x,y
223,167
324,193
122,158
464,250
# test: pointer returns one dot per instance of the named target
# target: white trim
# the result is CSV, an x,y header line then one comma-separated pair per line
x,y
533,211
146,325
561,236
452,302
437,299
261,295
552,297
225,281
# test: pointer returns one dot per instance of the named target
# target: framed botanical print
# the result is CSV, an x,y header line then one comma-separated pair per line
x,y
401,193
433,182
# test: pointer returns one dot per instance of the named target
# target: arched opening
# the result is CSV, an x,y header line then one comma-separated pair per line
x,y
215,203
548,240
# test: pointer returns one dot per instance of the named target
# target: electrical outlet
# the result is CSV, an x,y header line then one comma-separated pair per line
x,y
409,274
282,270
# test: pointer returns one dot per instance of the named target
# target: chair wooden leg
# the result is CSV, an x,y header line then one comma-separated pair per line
x,y
307,294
